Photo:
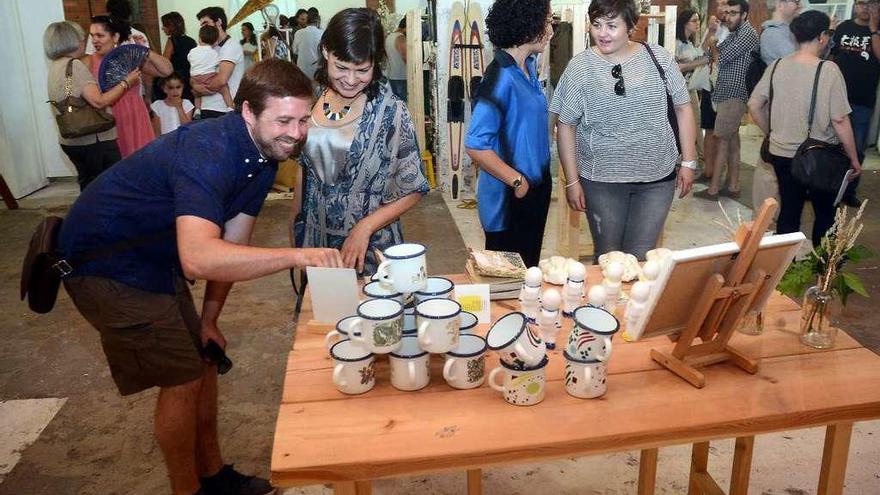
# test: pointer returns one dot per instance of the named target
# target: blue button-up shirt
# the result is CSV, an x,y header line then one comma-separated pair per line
x,y
210,169
510,118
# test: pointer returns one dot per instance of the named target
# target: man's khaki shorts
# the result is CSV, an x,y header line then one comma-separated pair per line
x,y
150,339
730,114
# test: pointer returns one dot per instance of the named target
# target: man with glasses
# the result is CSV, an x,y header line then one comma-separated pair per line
x,y
730,96
857,51
776,38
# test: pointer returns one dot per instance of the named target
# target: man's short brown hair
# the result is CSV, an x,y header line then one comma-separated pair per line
x,y
272,78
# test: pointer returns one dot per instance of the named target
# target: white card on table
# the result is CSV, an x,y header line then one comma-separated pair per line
x,y
475,298
334,293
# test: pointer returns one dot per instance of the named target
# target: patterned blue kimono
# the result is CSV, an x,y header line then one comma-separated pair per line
x,y
383,165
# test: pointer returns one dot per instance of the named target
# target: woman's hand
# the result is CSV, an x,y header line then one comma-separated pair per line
x,y
354,249
856,168
523,189
575,197
133,77
685,181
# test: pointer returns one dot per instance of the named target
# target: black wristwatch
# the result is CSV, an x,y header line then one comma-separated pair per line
x,y
875,33
517,183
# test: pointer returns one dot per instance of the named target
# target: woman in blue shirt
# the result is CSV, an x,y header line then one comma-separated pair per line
x,y
508,135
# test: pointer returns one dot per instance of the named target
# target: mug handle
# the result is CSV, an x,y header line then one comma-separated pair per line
x,y
382,274
607,342
520,351
492,382
329,338
337,376
357,337
423,334
447,369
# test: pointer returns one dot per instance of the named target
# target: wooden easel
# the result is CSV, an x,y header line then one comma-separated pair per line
x,y
717,313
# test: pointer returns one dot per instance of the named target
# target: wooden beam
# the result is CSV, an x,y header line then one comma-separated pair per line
x,y
475,482
742,465
6,194
699,464
415,86
834,458
647,471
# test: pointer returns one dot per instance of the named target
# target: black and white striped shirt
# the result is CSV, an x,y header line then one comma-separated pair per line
x,y
621,138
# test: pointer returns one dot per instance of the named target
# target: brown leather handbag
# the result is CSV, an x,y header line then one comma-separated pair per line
x,y
75,117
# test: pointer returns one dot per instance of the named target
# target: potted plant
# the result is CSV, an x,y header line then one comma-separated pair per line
x,y
821,281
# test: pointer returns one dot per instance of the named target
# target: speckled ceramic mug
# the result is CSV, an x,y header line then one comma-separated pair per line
x,y
521,387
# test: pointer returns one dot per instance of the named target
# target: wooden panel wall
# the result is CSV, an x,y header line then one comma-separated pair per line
x,y
146,14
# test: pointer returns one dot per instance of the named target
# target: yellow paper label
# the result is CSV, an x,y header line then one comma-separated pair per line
x,y
474,304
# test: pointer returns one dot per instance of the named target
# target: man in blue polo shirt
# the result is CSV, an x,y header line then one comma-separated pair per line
x,y
186,205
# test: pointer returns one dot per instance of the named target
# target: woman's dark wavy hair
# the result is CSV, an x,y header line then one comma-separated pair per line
x,y
175,23
613,8
354,36
516,22
809,25
680,22
114,26
253,37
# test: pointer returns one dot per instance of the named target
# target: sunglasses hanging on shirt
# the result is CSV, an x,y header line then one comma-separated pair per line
x,y
617,73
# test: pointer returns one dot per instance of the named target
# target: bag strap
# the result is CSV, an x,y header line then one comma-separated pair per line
x,y
66,264
770,108
813,98
68,79
656,64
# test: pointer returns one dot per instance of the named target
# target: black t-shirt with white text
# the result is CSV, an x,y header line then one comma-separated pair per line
x,y
854,55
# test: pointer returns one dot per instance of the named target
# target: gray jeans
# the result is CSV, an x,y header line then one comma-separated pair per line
x,y
627,217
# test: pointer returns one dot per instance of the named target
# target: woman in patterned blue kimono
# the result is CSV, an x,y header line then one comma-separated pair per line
x,y
361,164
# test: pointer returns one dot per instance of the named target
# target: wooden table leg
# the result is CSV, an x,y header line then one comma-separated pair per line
x,y
699,465
742,465
353,488
6,194
647,471
834,459
475,482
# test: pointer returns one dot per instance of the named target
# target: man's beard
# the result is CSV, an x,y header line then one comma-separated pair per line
x,y
272,148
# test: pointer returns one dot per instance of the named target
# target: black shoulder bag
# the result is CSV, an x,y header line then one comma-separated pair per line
x,y
817,165
670,108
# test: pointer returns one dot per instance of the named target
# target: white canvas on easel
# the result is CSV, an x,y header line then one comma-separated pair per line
x,y
684,274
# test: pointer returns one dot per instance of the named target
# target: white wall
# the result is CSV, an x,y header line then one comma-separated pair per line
x,y
29,137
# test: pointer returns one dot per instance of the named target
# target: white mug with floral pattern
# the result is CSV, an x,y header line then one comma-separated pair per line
x,y
465,365
354,372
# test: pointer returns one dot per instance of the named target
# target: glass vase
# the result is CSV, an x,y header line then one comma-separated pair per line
x,y
819,318
752,323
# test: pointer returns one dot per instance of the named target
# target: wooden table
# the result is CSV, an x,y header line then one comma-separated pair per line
x,y
324,436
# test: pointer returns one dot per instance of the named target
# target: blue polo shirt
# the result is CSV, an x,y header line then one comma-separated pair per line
x,y
210,169
510,118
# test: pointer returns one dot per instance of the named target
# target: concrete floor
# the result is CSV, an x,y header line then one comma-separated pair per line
x,y
64,430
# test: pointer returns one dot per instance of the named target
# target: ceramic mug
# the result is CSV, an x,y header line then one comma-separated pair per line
x,y
515,342
465,365
403,268
375,290
354,372
341,331
410,365
469,322
585,378
435,288
378,325
521,387
590,337
438,323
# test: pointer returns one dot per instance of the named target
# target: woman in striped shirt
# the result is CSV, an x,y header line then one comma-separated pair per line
x,y
616,143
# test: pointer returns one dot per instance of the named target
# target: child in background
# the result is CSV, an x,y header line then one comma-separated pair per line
x,y
173,111
203,61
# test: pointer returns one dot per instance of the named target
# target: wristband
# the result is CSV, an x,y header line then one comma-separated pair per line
x,y
691,164
572,184
124,84
875,33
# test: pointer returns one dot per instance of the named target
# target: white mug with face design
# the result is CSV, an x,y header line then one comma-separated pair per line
x,y
404,268
410,365
439,323
515,342
521,387
585,378
378,325
354,372
590,337
465,365
435,288
341,331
